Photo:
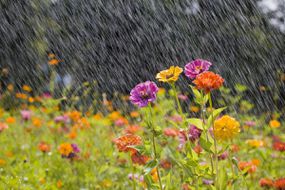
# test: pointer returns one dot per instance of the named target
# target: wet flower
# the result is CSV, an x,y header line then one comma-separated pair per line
x,y
170,132
139,159
143,93
193,134
279,184
196,67
247,166
72,135
132,129
169,75
65,149
208,181
26,114
225,128
61,119
75,148
255,143
265,182
194,109
21,96
10,120
134,114
176,118
37,122
274,124
250,123
121,122
44,147
223,156
279,146
27,88
182,97
208,81
3,126
124,142
53,61
198,149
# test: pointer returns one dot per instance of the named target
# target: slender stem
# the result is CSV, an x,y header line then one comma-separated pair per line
x,y
154,145
134,171
215,144
52,81
177,100
205,130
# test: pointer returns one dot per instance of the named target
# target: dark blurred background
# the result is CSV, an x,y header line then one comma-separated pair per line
x,y
120,43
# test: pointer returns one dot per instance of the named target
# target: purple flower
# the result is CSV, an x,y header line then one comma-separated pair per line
x,y
208,181
193,134
223,156
61,118
26,114
143,93
250,123
196,67
75,148
182,97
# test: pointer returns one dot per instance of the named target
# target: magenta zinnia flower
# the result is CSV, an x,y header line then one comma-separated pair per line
x,y
26,114
143,93
196,67
193,134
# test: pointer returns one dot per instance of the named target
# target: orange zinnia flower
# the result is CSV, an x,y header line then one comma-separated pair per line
x,y
53,62
10,120
280,184
65,149
247,166
265,182
139,159
208,81
123,142
44,147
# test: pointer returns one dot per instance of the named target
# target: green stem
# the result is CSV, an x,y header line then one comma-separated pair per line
x,y
205,130
134,171
52,78
215,144
154,145
177,100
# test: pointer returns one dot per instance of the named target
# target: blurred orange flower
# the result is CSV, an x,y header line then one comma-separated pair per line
x,y
274,123
65,149
10,120
123,142
27,88
44,147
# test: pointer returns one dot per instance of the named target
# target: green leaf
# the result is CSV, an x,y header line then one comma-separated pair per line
x,y
206,145
150,166
213,116
197,122
240,88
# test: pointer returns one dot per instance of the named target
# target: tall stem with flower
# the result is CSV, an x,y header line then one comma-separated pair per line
x,y
143,95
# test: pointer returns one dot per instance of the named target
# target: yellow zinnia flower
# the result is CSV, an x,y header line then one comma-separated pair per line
x,y
27,88
274,123
226,128
169,75
255,143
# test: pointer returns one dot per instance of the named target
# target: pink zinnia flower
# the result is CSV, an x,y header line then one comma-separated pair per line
x,y
196,67
3,126
26,114
143,93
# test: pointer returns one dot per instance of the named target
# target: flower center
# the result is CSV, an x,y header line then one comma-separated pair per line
x,y
198,68
168,76
144,94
